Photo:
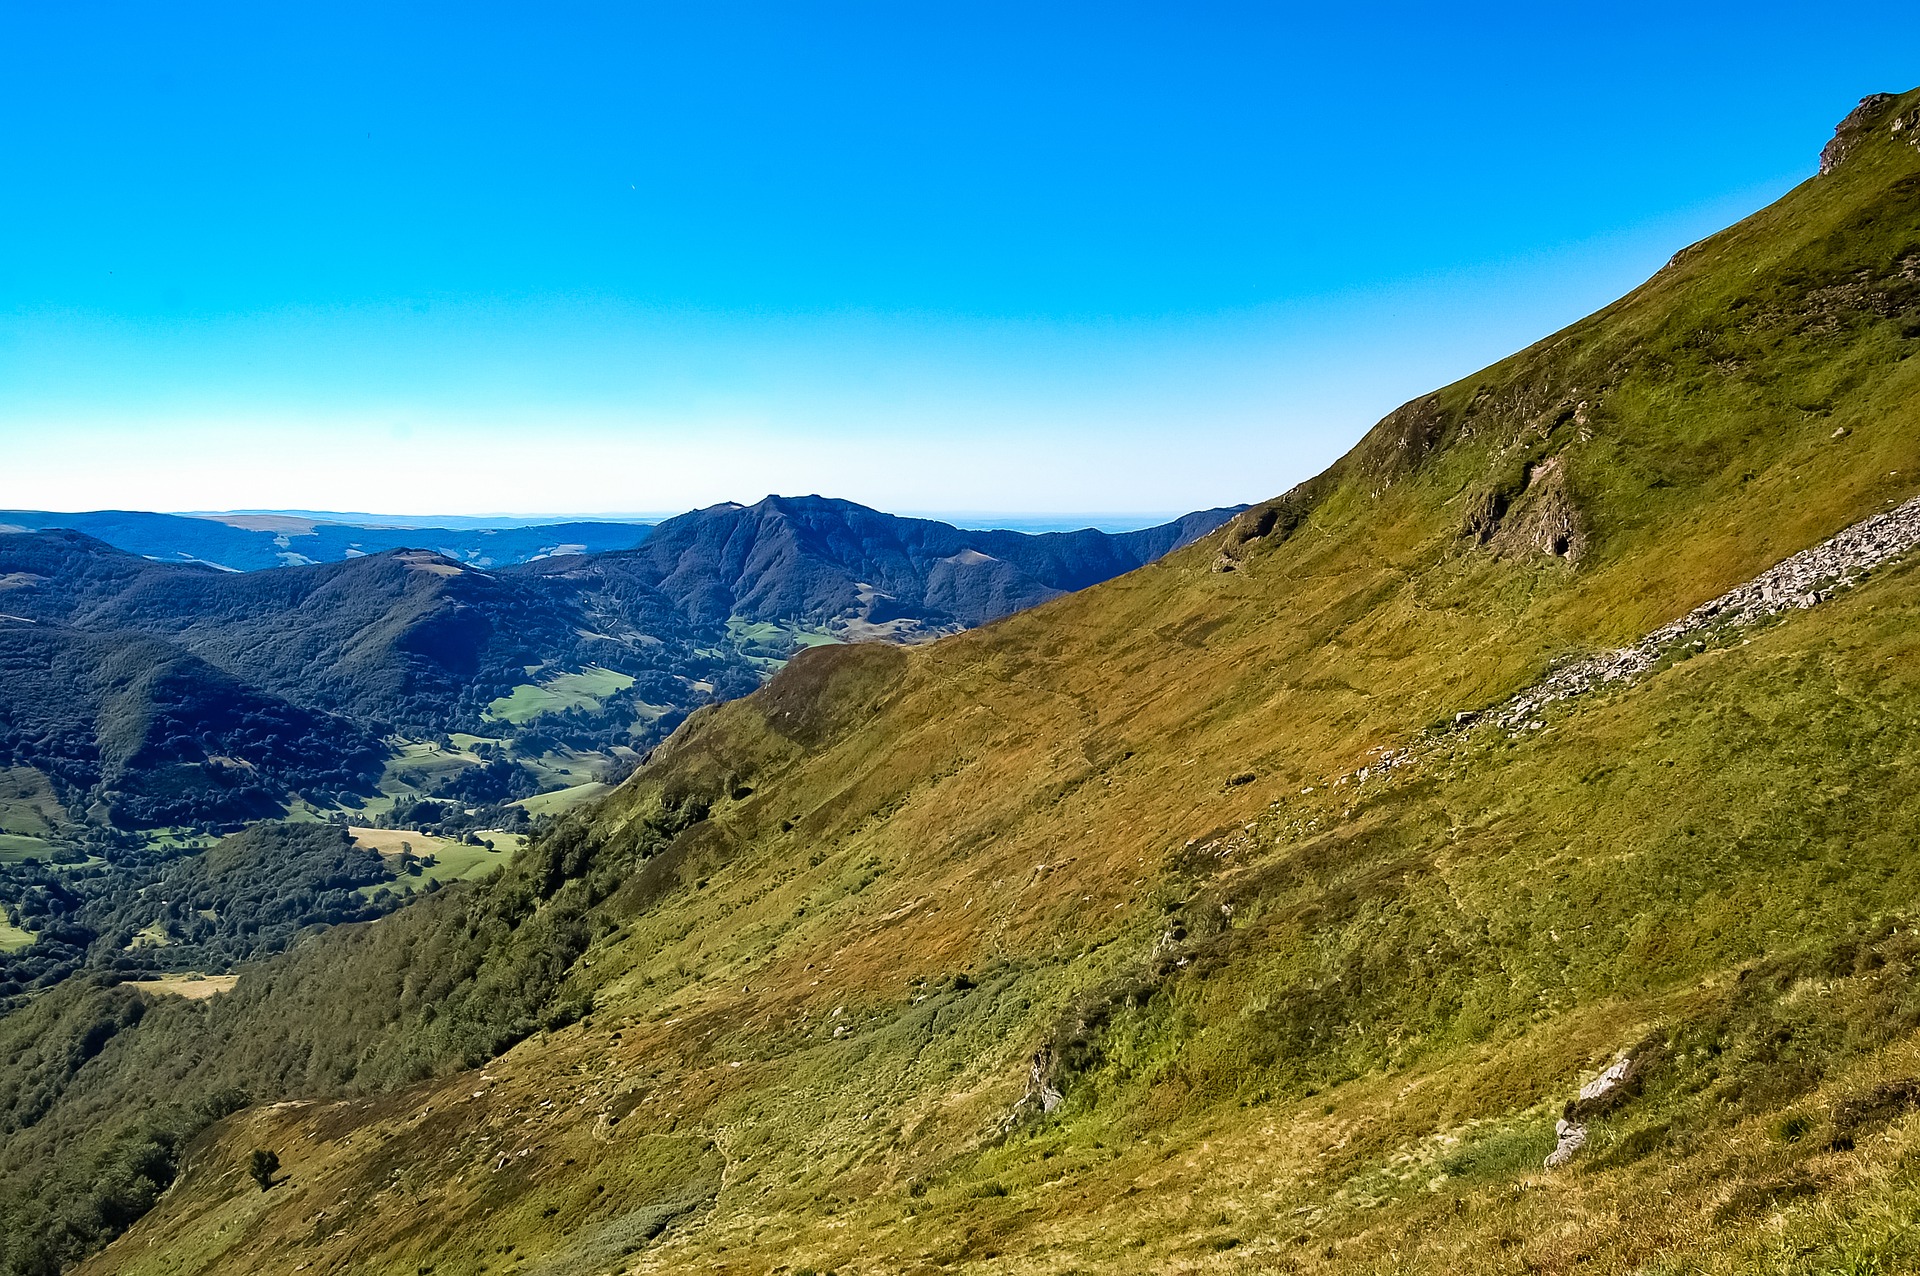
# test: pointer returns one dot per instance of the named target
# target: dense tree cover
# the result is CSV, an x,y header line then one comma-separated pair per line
x,y
451,818
250,895
157,736
500,780
406,641
100,1086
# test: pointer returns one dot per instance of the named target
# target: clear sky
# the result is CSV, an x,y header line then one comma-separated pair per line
x,y
569,257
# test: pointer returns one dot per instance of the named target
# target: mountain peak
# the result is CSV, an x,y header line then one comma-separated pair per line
x,y
1859,125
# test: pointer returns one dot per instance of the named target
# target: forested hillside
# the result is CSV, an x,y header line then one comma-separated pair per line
x,y
157,736
1276,906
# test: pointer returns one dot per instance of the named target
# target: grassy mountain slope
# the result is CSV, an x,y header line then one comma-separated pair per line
x,y
1075,942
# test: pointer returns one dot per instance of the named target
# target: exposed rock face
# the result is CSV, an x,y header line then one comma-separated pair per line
x,y
1859,122
1042,1091
1544,520
1572,1137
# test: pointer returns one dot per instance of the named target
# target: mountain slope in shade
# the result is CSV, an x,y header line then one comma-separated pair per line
x,y
150,735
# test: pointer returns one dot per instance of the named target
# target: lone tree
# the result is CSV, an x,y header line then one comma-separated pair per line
x,y
263,1166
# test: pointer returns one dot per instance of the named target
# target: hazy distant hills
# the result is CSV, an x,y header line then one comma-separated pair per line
x,y
851,571
589,652
249,542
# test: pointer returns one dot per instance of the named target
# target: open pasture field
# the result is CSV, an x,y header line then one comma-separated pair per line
x,y
564,768
420,764
560,801
27,804
770,637
587,690
15,847
193,987
452,861
12,938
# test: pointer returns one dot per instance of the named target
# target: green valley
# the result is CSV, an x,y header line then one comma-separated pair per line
x,y
1492,855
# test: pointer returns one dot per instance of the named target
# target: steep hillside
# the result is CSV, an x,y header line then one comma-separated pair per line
x,y
1193,922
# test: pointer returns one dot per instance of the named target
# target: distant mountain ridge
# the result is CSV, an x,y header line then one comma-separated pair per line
x,y
855,572
243,542
413,643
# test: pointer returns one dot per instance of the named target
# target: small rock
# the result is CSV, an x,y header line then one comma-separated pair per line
x,y
1573,1137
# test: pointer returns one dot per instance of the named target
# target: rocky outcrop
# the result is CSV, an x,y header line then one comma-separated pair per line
x,y
1619,1082
1043,1093
1804,580
1908,125
1853,129
1544,520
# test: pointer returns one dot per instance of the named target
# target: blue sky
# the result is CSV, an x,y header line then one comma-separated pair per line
x,y
597,258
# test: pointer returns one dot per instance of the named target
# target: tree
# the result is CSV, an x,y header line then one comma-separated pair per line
x,y
263,1166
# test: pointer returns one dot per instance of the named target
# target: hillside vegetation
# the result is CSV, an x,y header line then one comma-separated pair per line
x,y
1122,935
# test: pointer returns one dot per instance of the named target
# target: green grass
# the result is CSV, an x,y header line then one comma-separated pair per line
x,y
770,636
459,862
452,861
587,690
12,937
27,804
568,767
175,839
153,935
14,848
561,801
418,764
1301,1022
